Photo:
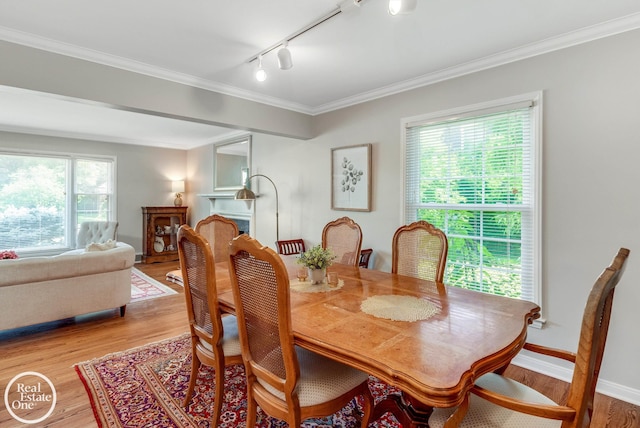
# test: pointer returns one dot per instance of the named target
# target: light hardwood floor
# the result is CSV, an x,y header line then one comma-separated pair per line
x,y
52,349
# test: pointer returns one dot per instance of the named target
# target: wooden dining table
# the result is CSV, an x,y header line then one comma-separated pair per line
x,y
434,362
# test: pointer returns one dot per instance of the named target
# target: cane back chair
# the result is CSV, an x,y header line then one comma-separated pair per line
x,y
214,338
344,237
497,401
287,382
419,250
218,231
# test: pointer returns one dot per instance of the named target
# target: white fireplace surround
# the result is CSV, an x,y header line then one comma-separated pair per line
x,y
226,205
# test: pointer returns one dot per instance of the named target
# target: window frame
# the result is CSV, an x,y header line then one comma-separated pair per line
x,y
534,99
71,197
111,160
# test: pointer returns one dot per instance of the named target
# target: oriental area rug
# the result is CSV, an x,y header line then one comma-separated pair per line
x,y
143,287
145,387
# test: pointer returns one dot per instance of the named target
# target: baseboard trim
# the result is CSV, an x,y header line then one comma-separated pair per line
x,y
605,387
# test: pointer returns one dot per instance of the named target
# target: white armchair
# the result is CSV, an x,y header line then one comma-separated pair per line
x,y
96,231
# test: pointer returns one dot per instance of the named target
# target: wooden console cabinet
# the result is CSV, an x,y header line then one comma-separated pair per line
x,y
159,230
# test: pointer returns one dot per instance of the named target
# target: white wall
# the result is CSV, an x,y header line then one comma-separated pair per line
x,y
590,173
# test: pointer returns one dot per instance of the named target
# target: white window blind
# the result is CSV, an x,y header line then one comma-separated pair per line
x,y
475,178
94,186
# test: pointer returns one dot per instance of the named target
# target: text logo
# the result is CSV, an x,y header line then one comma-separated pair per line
x,y
30,397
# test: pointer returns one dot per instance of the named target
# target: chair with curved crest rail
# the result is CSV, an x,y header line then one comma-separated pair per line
x,y
344,237
286,381
419,250
214,338
218,231
497,401
292,246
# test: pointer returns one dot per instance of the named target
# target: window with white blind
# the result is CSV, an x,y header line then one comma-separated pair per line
x,y
474,173
44,197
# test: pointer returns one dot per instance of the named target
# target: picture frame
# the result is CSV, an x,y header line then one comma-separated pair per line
x,y
351,178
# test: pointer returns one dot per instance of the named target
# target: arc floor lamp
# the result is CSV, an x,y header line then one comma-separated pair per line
x,y
247,194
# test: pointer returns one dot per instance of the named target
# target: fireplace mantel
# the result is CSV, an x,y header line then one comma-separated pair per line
x,y
219,195
225,204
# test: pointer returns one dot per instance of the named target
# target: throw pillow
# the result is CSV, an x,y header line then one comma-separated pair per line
x,y
95,246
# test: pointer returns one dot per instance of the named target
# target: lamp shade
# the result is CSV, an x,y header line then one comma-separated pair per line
x,y
245,194
177,186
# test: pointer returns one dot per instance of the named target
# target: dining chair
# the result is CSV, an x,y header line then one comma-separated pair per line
x,y
344,237
214,338
218,231
286,381
365,255
496,400
419,250
292,246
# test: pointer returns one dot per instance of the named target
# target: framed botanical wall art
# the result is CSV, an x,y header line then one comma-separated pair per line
x,y
351,178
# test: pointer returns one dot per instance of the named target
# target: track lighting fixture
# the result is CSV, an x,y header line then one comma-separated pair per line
x,y
400,7
284,57
261,75
345,6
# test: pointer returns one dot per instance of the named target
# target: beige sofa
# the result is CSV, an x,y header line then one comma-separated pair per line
x,y
41,289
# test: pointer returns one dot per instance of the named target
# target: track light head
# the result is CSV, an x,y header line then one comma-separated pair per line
x,y
284,57
261,75
401,7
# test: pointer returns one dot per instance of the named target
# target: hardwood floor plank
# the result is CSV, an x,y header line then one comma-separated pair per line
x,y
53,348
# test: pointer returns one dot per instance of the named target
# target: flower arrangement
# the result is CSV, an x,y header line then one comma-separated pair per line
x,y
8,254
316,258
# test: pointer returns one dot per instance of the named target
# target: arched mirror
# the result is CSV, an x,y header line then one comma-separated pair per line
x,y
231,164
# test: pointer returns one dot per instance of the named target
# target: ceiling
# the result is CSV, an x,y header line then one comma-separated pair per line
x,y
357,55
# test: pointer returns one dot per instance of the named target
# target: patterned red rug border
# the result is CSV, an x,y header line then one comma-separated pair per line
x,y
160,373
87,389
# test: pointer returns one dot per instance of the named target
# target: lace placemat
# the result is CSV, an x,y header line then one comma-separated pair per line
x,y
308,287
399,308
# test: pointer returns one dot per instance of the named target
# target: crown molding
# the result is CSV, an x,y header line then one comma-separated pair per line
x,y
42,43
606,29
584,35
